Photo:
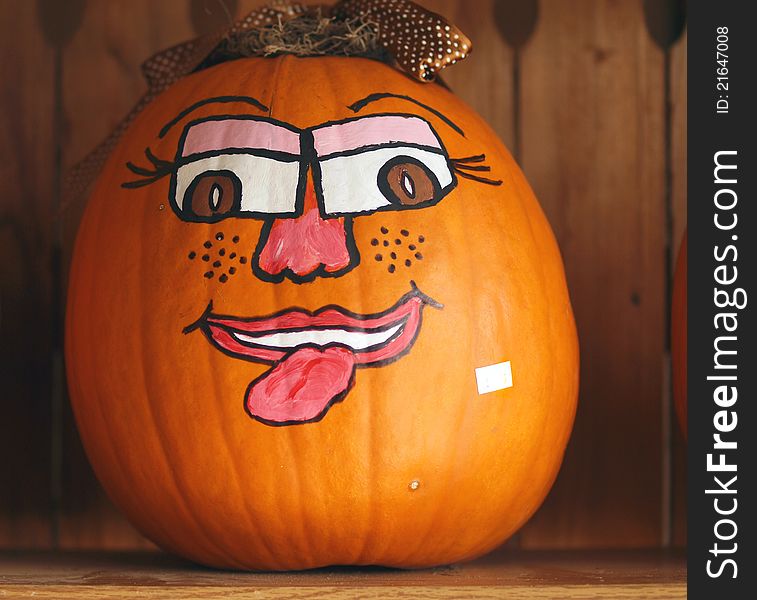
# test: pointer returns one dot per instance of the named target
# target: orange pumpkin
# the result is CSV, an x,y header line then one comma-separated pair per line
x,y
678,335
308,332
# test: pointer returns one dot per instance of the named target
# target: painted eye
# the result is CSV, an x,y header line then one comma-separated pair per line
x,y
384,179
212,195
408,182
209,189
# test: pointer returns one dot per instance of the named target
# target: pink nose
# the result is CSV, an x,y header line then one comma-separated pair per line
x,y
303,247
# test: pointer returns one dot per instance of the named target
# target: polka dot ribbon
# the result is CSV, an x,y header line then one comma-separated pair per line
x,y
420,43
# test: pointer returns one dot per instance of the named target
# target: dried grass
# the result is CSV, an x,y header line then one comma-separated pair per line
x,y
309,34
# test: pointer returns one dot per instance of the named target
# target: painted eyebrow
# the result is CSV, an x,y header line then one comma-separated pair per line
x,y
242,131
362,103
217,99
373,131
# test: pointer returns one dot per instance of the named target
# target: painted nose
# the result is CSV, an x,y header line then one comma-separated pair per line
x,y
303,247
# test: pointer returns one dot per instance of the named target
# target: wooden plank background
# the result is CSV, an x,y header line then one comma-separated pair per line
x,y
590,95
27,295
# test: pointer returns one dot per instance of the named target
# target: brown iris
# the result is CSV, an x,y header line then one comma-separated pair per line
x,y
213,195
408,182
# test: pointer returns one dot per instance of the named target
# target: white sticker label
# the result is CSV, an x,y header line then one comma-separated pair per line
x,y
494,377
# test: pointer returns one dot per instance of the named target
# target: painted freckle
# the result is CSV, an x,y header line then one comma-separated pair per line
x,y
223,278
412,247
243,260
206,257
208,274
398,242
404,232
232,270
419,256
192,255
384,230
235,239
217,264
386,243
222,251
408,262
421,239
391,268
233,255
379,257
208,245
374,242
393,255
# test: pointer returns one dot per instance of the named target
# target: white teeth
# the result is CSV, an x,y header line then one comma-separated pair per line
x,y
357,340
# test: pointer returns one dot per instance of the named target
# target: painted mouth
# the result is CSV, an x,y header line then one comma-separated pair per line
x,y
313,354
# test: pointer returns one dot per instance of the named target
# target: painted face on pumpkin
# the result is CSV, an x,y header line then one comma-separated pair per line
x,y
171,334
307,186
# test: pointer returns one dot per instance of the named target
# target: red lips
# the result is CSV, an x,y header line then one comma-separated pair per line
x,y
372,338
314,354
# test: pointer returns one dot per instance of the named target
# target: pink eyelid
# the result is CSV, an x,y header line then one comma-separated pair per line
x,y
368,131
214,136
223,134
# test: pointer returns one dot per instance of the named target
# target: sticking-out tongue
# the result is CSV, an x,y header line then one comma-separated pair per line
x,y
302,385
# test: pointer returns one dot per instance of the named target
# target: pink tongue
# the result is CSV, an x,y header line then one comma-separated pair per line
x,y
302,386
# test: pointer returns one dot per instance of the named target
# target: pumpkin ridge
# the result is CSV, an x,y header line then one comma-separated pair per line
x,y
92,218
535,211
449,485
142,326
283,65
368,407
260,538
83,301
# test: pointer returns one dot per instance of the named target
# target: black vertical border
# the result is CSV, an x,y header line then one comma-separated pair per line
x,y
709,132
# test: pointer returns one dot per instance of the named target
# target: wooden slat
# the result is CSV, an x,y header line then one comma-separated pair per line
x,y
679,198
484,80
102,81
546,575
593,149
27,206
679,138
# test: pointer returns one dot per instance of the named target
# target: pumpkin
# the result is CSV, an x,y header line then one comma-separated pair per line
x,y
678,335
321,320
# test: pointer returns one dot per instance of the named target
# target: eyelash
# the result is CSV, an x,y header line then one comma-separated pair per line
x,y
461,166
161,166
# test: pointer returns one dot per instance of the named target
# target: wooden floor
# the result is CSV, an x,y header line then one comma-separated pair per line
x,y
534,574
